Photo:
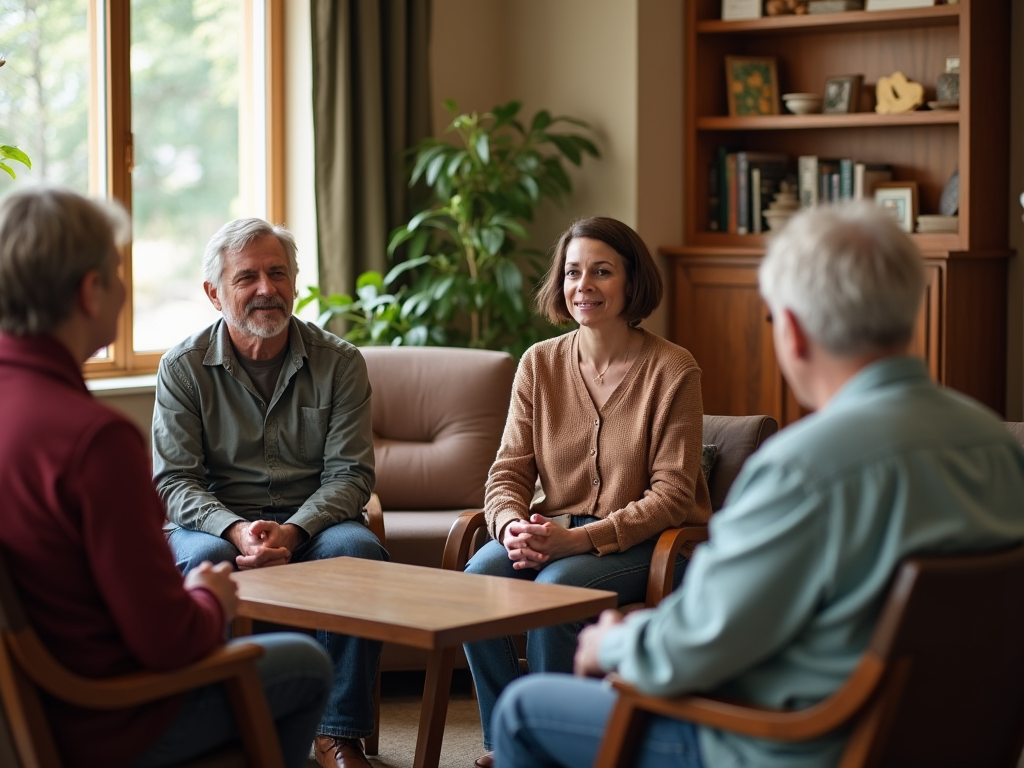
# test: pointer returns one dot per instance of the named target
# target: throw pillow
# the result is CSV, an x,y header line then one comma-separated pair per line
x,y
708,454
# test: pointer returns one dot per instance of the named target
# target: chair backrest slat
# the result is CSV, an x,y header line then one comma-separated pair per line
x,y
958,619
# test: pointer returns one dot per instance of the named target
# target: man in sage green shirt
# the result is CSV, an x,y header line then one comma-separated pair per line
x,y
778,606
263,451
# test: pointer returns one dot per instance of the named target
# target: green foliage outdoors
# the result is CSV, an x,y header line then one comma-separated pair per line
x,y
7,152
465,276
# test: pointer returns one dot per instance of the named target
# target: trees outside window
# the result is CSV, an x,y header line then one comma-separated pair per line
x,y
163,105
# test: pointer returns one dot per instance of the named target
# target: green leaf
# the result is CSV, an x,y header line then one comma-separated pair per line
x,y
405,266
491,238
455,163
483,148
434,169
398,236
585,145
13,153
503,114
530,185
541,121
451,106
567,147
5,167
431,149
371,277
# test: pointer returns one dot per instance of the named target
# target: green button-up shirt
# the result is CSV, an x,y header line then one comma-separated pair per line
x,y
221,454
778,606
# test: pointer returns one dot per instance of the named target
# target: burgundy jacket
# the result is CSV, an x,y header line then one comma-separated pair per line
x,y
80,531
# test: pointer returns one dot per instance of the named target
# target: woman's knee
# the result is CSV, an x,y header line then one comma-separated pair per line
x,y
491,560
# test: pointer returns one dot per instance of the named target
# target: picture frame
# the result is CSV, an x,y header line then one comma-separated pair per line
x,y
899,198
752,85
842,94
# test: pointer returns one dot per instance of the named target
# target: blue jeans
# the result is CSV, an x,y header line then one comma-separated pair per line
x,y
495,663
543,721
296,676
350,709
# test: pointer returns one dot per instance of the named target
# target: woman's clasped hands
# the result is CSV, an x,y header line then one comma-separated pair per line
x,y
535,542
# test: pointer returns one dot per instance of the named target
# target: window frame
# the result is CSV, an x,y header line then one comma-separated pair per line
x,y
121,358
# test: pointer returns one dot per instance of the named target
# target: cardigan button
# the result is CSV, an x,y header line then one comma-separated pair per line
x,y
593,451
596,481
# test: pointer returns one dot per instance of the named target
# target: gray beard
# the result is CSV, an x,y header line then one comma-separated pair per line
x,y
253,325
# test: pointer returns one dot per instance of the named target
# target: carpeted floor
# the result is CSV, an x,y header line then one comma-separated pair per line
x,y
399,719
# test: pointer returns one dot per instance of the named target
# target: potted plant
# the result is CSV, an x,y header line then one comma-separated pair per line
x,y
7,152
465,272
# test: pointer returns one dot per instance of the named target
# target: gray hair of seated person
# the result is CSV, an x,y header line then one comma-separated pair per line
x,y
237,234
50,239
852,278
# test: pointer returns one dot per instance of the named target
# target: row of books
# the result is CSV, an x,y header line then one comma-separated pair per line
x,y
829,180
742,184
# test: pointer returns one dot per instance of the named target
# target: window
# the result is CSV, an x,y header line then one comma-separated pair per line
x,y
171,107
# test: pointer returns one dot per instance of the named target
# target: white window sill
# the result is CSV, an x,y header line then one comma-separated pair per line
x,y
122,385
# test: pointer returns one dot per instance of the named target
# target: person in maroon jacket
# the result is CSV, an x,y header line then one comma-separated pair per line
x,y
81,524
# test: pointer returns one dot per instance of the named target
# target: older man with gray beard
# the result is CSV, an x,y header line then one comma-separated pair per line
x,y
262,448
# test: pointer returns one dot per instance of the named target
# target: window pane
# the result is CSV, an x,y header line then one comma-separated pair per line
x,y
44,91
185,72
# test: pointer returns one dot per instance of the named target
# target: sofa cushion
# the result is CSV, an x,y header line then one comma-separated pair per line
x,y
736,437
438,414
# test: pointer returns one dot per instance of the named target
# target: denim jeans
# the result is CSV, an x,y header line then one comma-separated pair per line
x,y
544,721
495,663
296,676
350,708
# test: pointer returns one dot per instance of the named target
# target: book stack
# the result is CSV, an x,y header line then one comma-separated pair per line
x,y
740,186
830,180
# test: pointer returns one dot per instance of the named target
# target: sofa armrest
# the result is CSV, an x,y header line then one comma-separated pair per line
x,y
659,579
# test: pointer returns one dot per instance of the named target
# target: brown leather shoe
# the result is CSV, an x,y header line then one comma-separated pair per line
x,y
337,752
485,760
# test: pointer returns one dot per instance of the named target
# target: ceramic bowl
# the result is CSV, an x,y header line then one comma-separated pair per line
x,y
802,103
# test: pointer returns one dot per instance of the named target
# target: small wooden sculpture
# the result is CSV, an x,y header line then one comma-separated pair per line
x,y
895,94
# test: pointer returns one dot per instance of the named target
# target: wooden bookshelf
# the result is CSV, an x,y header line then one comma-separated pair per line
x,y
962,327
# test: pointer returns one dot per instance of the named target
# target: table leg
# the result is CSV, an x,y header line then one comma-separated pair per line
x,y
436,692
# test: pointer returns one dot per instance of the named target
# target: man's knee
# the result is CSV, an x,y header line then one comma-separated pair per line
x,y
348,539
190,548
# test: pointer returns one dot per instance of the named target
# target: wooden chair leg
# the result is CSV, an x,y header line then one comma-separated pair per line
x,y
621,735
371,744
255,724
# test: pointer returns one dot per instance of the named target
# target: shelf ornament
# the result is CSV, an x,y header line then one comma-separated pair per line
x,y
896,94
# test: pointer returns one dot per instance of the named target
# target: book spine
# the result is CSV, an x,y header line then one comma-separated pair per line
x,y
858,181
834,195
846,179
755,200
807,180
713,196
742,194
730,173
723,190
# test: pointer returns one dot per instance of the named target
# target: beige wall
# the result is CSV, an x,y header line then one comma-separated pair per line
x,y
581,58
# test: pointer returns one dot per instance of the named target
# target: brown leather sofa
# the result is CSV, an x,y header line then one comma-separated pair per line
x,y
438,415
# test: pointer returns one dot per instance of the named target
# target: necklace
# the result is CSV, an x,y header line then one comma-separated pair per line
x,y
599,379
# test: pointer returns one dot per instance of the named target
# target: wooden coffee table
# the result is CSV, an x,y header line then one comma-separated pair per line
x,y
428,608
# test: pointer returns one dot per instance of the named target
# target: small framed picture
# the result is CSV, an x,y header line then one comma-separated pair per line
x,y
900,199
753,85
842,94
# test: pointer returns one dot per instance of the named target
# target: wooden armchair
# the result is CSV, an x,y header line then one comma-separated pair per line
x,y
736,437
941,684
27,667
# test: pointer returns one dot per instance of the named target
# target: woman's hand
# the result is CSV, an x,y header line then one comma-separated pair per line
x,y
538,541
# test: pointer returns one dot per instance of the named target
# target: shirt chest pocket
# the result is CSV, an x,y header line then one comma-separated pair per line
x,y
313,434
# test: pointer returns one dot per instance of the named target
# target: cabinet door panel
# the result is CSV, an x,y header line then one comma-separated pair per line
x,y
720,318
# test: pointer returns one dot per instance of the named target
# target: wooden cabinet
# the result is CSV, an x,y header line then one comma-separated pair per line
x,y
717,312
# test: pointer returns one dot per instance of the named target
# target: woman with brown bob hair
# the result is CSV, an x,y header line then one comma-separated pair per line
x,y
601,450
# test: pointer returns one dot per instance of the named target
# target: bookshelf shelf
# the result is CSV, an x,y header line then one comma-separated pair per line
x,y
716,310
854,120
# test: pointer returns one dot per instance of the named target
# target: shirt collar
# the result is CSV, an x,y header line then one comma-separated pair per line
x,y
44,354
221,351
878,375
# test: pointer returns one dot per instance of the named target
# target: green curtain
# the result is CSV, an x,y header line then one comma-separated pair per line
x,y
371,101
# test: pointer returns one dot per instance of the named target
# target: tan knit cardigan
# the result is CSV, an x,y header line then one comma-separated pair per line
x,y
635,463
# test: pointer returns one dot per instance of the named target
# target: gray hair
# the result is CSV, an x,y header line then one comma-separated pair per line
x,y
50,238
237,234
848,273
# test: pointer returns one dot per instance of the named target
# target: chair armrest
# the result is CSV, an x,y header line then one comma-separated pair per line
x,y
375,519
659,580
460,539
126,690
762,722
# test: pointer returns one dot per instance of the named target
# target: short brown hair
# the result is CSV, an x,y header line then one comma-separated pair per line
x,y
644,285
